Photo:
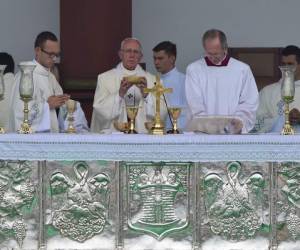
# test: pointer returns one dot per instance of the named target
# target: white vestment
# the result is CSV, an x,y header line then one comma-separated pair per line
x,y
41,117
5,103
226,90
271,107
109,106
175,80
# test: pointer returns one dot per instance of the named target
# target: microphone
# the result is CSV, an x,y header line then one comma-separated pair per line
x,y
165,100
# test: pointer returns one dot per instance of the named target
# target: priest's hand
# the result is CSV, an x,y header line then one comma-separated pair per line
x,y
294,116
234,127
142,85
55,101
125,85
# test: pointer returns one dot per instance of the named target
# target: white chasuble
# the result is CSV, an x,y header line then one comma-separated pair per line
x,y
271,106
41,117
109,106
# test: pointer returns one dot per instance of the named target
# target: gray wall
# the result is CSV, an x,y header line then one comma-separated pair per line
x,y
247,23
21,21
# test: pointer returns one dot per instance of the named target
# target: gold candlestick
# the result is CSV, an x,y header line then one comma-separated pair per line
x,y
287,128
175,113
25,126
287,94
132,113
158,90
26,92
2,90
71,108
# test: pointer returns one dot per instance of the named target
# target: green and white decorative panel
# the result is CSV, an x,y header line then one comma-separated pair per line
x,y
288,205
19,214
157,205
233,205
80,205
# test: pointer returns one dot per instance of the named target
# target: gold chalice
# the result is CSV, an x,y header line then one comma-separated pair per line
x,y
71,108
132,113
175,113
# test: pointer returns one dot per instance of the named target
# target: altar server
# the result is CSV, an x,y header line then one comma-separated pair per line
x,y
164,57
271,106
48,95
114,91
220,85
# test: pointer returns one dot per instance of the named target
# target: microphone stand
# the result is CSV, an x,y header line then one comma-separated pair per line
x,y
165,100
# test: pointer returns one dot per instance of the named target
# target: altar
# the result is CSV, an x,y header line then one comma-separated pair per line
x,y
186,191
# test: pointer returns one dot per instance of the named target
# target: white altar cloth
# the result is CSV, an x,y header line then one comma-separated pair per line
x,y
121,147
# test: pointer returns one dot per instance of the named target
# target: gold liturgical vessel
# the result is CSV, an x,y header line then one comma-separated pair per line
x,y
2,90
287,94
132,113
71,108
157,90
174,113
26,88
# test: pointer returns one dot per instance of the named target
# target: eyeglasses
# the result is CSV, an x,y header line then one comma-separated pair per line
x,y
51,54
129,51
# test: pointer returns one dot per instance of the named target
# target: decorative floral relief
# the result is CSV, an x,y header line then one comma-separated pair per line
x,y
16,193
291,175
232,205
82,215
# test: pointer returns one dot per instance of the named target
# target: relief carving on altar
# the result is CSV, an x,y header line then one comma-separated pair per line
x,y
289,201
234,205
83,212
17,195
158,198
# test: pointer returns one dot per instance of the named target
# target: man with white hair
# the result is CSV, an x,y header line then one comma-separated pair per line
x,y
114,91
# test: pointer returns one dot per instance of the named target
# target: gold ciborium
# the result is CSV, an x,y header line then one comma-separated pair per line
x,y
174,113
287,94
71,108
2,90
133,79
26,88
132,113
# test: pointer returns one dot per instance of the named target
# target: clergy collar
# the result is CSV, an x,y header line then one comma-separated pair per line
x,y
223,63
127,71
169,73
40,69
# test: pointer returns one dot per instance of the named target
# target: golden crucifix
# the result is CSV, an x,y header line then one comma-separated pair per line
x,y
158,90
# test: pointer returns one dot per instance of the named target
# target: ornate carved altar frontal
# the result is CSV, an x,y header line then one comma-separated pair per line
x,y
126,193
